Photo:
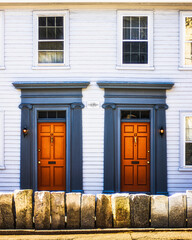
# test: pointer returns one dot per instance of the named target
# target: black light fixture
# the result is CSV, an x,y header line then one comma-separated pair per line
x,y
161,131
25,131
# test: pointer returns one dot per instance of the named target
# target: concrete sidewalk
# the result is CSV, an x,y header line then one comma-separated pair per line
x,y
99,234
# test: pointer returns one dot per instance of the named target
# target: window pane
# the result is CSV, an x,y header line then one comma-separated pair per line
x,y
61,114
143,47
145,114
135,52
143,22
188,53
59,33
143,33
134,47
42,33
135,33
51,33
134,21
59,21
135,58
126,47
126,33
51,21
126,21
50,57
50,45
188,28
135,114
188,128
188,153
42,21
52,114
42,114
126,58
143,58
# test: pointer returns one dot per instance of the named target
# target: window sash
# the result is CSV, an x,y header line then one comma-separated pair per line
x,y
36,40
120,63
48,58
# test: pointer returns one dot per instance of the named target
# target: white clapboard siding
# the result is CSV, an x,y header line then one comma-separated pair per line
x,y
93,53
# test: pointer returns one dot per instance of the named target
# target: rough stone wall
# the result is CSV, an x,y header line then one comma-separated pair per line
x,y
60,210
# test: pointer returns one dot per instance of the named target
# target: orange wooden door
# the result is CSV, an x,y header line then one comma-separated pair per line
x,y
51,156
135,157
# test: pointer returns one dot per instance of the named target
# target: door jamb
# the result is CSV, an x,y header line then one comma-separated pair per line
x,y
37,108
118,144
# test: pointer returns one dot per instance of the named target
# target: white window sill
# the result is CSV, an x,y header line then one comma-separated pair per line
x,y
185,169
2,68
185,68
147,68
51,68
2,167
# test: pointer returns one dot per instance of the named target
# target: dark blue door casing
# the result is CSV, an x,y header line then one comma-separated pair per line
x,y
38,96
124,95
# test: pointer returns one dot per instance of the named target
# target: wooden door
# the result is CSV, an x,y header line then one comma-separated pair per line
x,y
135,157
51,156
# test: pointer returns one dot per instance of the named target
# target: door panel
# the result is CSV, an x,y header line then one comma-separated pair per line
x,y
51,156
45,147
142,148
129,175
45,176
129,151
135,157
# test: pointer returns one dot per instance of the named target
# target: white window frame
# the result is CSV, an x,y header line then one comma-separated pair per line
x,y
2,37
183,15
183,166
2,136
120,15
36,15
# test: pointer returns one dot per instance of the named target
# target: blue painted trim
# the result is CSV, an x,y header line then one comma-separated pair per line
x,y
80,191
51,120
136,120
52,97
50,84
134,96
108,192
135,85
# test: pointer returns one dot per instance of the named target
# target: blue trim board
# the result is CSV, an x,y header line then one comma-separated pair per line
x,y
135,84
50,84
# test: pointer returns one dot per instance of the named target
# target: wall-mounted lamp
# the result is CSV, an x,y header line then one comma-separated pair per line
x,y
161,131
25,131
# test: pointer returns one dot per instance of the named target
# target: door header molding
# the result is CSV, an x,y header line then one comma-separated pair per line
x,y
50,84
135,85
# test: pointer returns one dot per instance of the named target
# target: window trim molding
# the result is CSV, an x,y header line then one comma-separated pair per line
x,y
54,66
120,65
182,66
2,40
2,134
183,166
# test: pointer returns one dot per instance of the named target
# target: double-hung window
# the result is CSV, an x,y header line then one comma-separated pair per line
x,y
186,140
186,40
135,39
51,39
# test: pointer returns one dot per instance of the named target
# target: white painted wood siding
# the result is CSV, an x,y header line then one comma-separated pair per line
x,y
93,57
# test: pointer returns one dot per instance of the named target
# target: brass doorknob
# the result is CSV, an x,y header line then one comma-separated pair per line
x,y
148,162
39,162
